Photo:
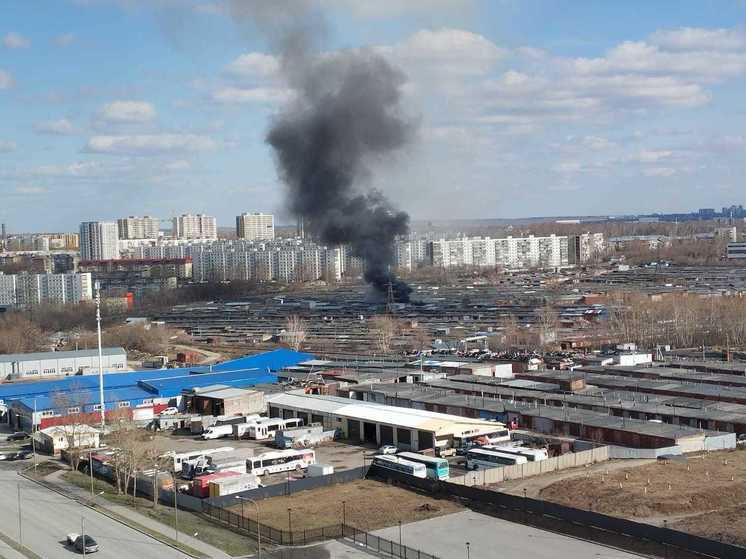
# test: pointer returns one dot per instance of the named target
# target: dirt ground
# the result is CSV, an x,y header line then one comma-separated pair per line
x,y
704,495
369,505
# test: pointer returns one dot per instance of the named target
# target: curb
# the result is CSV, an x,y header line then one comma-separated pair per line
x,y
102,510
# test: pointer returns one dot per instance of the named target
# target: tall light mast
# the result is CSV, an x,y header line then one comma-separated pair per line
x,y
100,356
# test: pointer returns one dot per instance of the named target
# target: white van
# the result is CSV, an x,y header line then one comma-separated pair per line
x,y
217,432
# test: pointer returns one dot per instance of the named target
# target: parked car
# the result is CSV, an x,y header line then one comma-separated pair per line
x,y
6,456
82,544
388,449
24,454
170,411
19,436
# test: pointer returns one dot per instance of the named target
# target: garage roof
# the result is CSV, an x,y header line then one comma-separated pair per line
x,y
438,423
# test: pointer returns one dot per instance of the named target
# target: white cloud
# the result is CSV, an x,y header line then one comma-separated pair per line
x,y
178,165
64,40
31,190
59,127
697,38
446,51
127,112
6,146
651,156
6,80
150,144
254,65
256,95
659,172
13,40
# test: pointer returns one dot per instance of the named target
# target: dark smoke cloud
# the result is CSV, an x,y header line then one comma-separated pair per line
x,y
346,117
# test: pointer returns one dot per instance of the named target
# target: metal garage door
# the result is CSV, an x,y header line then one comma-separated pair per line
x,y
387,434
353,430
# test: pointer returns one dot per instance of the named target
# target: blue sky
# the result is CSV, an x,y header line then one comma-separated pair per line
x,y
526,107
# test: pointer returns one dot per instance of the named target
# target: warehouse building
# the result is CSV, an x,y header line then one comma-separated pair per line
x,y
60,363
380,424
49,403
578,423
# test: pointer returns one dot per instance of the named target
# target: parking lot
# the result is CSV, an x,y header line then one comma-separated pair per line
x,y
340,454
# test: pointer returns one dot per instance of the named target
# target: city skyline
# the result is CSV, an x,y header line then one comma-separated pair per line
x,y
524,120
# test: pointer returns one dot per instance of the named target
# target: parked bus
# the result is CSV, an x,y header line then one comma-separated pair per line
x,y
437,468
393,462
531,454
482,458
280,461
179,458
266,428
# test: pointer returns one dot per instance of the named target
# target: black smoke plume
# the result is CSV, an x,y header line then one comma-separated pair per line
x,y
346,116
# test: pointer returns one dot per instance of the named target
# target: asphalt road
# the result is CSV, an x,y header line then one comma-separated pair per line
x,y
47,517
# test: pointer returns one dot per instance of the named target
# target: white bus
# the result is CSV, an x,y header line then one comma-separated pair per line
x,y
437,468
280,461
483,458
393,462
532,454
182,457
266,428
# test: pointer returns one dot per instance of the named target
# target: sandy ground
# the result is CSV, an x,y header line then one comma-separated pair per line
x,y
705,495
369,505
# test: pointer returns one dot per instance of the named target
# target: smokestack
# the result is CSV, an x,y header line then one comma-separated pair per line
x,y
345,117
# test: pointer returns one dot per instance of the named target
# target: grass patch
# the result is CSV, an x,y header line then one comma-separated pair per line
x,y
189,523
45,468
22,549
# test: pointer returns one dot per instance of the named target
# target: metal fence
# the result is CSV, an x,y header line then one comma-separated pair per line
x,y
305,536
529,510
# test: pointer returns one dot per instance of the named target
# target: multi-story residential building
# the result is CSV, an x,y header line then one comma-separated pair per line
x,y
133,227
98,240
736,250
512,253
189,226
255,226
25,290
583,248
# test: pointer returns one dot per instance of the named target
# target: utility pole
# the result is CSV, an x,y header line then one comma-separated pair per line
x,y
100,357
82,533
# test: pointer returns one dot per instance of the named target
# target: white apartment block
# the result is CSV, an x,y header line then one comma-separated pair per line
x,y
134,227
255,227
23,290
513,253
98,240
189,226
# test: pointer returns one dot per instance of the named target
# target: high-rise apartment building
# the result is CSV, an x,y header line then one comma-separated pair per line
x,y
255,227
24,290
134,227
189,226
98,240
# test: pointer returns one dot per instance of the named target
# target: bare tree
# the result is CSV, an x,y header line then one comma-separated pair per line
x,y
132,445
296,332
19,335
156,461
384,328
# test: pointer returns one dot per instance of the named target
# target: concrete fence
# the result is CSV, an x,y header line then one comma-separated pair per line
x,y
529,469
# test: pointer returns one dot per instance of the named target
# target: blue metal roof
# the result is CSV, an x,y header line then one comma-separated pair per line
x,y
273,360
162,383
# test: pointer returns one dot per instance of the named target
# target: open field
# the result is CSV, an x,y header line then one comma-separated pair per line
x,y
369,505
704,495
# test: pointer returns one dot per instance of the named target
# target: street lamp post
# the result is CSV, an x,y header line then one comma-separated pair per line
x,y
344,512
400,538
258,525
290,524
20,527
90,468
176,515
467,550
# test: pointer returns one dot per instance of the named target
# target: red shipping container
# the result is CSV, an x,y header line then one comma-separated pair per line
x,y
201,484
